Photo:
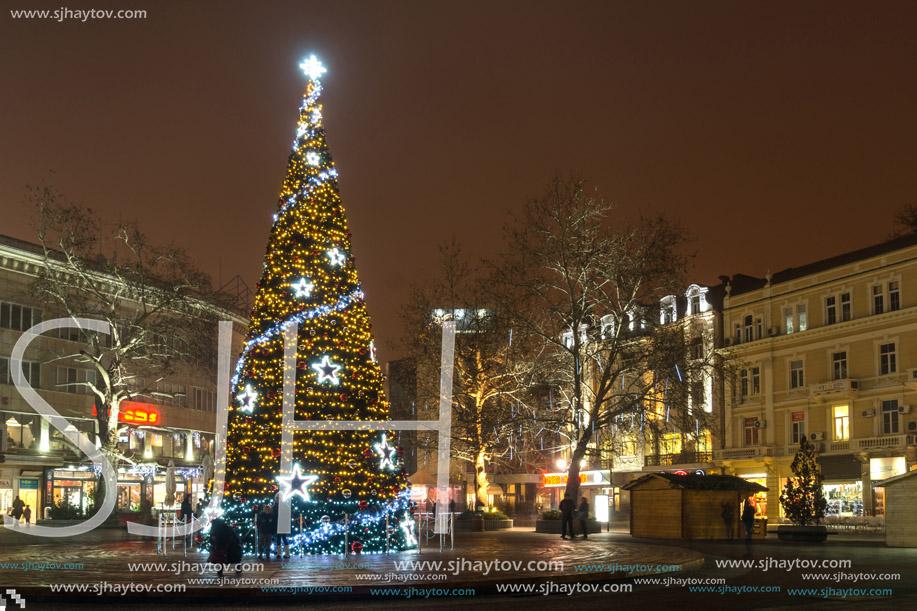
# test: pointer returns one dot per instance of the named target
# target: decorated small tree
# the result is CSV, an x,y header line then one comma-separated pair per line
x,y
802,498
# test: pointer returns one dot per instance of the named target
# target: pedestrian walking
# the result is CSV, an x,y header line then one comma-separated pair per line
x,y
225,547
18,505
27,514
583,514
567,507
266,529
749,510
728,514
185,514
278,535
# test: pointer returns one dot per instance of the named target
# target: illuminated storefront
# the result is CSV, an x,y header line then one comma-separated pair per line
x,y
591,484
761,496
881,469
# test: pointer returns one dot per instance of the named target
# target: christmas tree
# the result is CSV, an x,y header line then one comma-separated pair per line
x,y
802,498
346,488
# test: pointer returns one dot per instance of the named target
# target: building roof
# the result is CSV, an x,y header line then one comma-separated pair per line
x,y
700,482
741,283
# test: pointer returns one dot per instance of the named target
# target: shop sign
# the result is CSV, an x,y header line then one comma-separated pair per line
x,y
884,468
6,483
799,416
28,484
134,412
586,478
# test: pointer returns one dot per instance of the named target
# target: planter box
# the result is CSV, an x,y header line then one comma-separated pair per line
x,y
802,534
477,523
554,526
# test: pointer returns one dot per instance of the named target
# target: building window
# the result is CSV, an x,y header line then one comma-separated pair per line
x,y
72,380
841,423
751,431
878,299
18,318
839,365
830,310
788,319
888,360
668,313
894,296
697,348
750,381
744,383
801,317
30,369
698,396
759,328
797,427
845,307
629,447
890,417
697,299
797,379
749,328
738,334
755,380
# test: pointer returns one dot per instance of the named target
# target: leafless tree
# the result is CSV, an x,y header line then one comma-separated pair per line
x,y
492,376
905,220
587,287
153,298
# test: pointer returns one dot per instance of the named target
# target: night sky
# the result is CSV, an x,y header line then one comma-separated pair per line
x,y
777,133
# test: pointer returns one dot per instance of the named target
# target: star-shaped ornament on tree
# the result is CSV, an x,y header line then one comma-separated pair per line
x,y
407,525
327,371
313,68
303,288
296,483
301,130
247,398
336,257
312,158
386,453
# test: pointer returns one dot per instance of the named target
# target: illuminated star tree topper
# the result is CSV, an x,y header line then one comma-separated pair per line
x,y
313,68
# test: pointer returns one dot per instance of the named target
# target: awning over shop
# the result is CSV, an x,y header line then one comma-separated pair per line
x,y
845,467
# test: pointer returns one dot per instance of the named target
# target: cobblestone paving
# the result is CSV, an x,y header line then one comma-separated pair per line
x,y
110,561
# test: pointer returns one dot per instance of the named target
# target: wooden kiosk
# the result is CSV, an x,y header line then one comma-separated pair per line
x,y
670,506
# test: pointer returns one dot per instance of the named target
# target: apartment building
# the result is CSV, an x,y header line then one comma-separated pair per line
x,y
827,350
38,465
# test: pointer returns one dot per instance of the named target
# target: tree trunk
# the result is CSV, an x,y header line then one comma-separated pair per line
x,y
573,470
480,479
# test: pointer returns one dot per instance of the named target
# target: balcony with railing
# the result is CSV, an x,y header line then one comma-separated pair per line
x,y
679,458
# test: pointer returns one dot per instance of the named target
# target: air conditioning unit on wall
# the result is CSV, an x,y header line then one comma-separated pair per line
x,y
818,436
904,409
912,426
868,413
761,424
773,331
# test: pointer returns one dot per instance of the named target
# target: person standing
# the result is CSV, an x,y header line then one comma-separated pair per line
x,y
27,514
185,514
749,509
567,507
266,529
17,508
280,536
583,513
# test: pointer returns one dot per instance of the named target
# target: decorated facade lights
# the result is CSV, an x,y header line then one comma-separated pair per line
x,y
327,370
302,289
247,399
386,454
296,484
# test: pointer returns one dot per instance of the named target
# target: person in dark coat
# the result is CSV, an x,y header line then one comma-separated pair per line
x,y
582,512
27,514
567,507
728,514
266,529
225,546
748,518
185,514
18,506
